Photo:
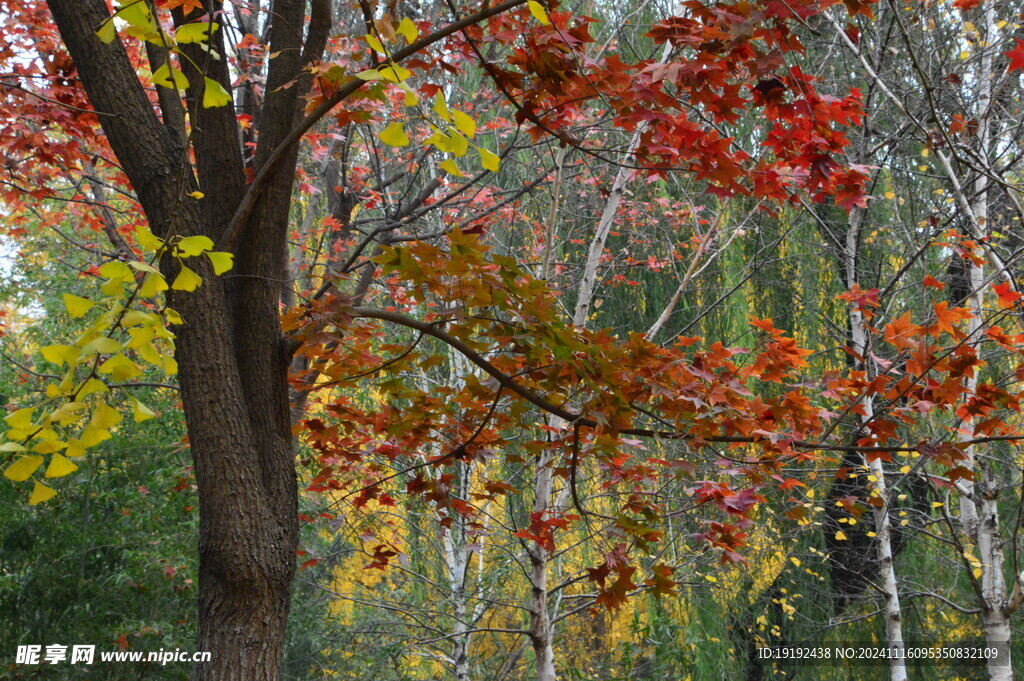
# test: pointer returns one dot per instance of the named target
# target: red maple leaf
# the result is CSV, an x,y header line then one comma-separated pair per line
x,y
1007,296
1016,56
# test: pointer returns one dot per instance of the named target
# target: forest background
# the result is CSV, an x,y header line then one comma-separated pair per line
x,y
620,338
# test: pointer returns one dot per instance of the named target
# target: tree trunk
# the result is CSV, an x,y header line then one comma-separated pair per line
x,y
231,355
883,521
540,615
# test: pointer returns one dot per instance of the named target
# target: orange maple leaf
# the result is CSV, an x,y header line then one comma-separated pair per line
x,y
188,6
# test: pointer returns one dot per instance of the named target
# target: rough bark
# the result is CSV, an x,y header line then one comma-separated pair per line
x,y
232,358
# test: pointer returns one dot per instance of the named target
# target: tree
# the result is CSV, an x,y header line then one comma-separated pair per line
x,y
200,173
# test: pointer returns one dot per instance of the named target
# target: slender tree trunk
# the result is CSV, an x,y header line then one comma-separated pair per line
x,y
457,557
540,614
979,507
883,521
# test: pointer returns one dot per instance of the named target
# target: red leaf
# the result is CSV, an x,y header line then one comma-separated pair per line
x,y
1016,56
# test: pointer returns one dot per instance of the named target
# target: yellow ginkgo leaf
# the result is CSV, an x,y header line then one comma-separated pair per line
x,y
49,446
369,74
460,145
107,32
193,245
441,107
12,447
198,32
407,29
69,412
221,261
465,124
21,419
105,416
91,387
169,77
538,12
153,284
394,73
373,42
489,160
141,412
101,346
75,448
120,368
449,166
23,468
77,306
172,316
59,467
41,493
147,239
92,436
115,269
394,136
187,280
59,354
214,94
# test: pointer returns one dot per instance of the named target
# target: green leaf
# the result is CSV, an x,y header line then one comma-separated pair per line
x,y
407,29
394,136
221,261
77,306
194,245
489,159
214,94
23,468
59,467
187,280
41,493
198,32
538,12
169,77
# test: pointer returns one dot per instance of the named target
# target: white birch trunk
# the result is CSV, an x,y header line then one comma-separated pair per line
x,y
979,508
879,490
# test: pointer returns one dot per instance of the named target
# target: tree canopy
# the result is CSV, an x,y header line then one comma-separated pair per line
x,y
493,321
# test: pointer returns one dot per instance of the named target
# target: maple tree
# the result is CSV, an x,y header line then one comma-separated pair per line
x,y
197,114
